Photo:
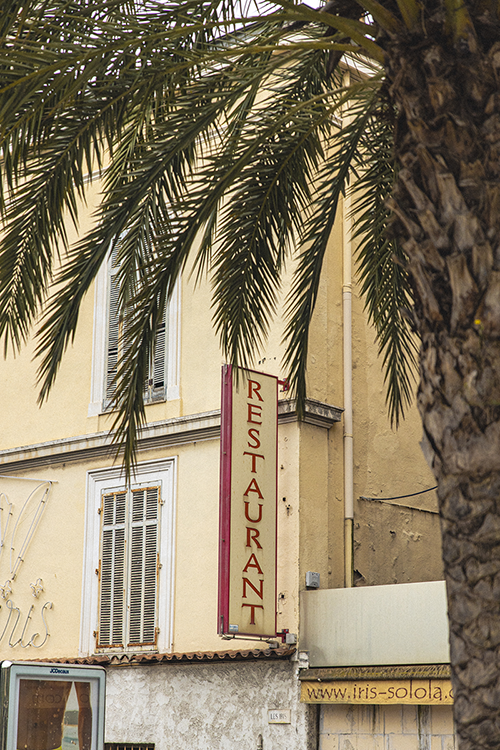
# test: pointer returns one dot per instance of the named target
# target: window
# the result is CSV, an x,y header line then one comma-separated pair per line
x,y
163,381
128,566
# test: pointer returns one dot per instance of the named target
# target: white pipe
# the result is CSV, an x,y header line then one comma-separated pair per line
x,y
347,342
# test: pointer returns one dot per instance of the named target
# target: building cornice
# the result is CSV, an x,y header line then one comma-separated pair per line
x,y
417,671
315,412
164,433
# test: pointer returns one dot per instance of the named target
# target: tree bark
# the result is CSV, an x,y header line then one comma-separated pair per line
x,y
446,208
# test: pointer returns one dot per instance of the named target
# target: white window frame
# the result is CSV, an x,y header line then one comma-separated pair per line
x,y
161,473
97,403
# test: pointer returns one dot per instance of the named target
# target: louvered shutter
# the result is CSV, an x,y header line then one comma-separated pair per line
x,y
158,376
143,566
112,570
155,384
113,341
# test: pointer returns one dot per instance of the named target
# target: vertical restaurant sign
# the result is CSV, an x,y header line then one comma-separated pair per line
x,y
248,509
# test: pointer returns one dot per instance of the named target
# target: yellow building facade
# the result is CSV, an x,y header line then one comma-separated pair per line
x,y
97,572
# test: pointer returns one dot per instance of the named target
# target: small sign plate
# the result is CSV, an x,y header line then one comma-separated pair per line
x,y
278,716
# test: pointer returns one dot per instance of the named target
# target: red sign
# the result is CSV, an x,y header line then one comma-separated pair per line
x,y
248,508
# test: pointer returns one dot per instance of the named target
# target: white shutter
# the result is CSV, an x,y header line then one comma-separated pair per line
x,y
143,566
112,570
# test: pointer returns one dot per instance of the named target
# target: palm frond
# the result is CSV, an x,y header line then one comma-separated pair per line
x,y
216,134
384,18
254,187
68,106
356,30
411,11
381,264
332,181
279,152
146,178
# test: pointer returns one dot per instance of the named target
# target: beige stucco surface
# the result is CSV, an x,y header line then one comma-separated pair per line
x,y
310,472
386,728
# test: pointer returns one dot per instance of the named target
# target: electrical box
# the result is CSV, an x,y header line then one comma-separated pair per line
x,y
312,580
51,706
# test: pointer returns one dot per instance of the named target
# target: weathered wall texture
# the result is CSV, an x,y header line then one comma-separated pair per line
x,y
208,707
387,462
394,544
386,728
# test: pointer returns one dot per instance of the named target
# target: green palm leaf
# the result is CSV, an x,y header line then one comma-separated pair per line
x,y
384,282
215,132
331,183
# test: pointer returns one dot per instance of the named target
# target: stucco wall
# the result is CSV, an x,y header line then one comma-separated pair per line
x,y
209,706
394,544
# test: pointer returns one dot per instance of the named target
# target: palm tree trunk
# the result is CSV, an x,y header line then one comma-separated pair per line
x,y
446,210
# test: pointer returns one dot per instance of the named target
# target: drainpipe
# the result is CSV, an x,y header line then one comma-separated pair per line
x,y
347,341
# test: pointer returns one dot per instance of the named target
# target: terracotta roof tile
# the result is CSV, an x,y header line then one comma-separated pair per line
x,y
104,660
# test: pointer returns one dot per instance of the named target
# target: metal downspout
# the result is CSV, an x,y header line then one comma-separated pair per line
x,y
347,372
